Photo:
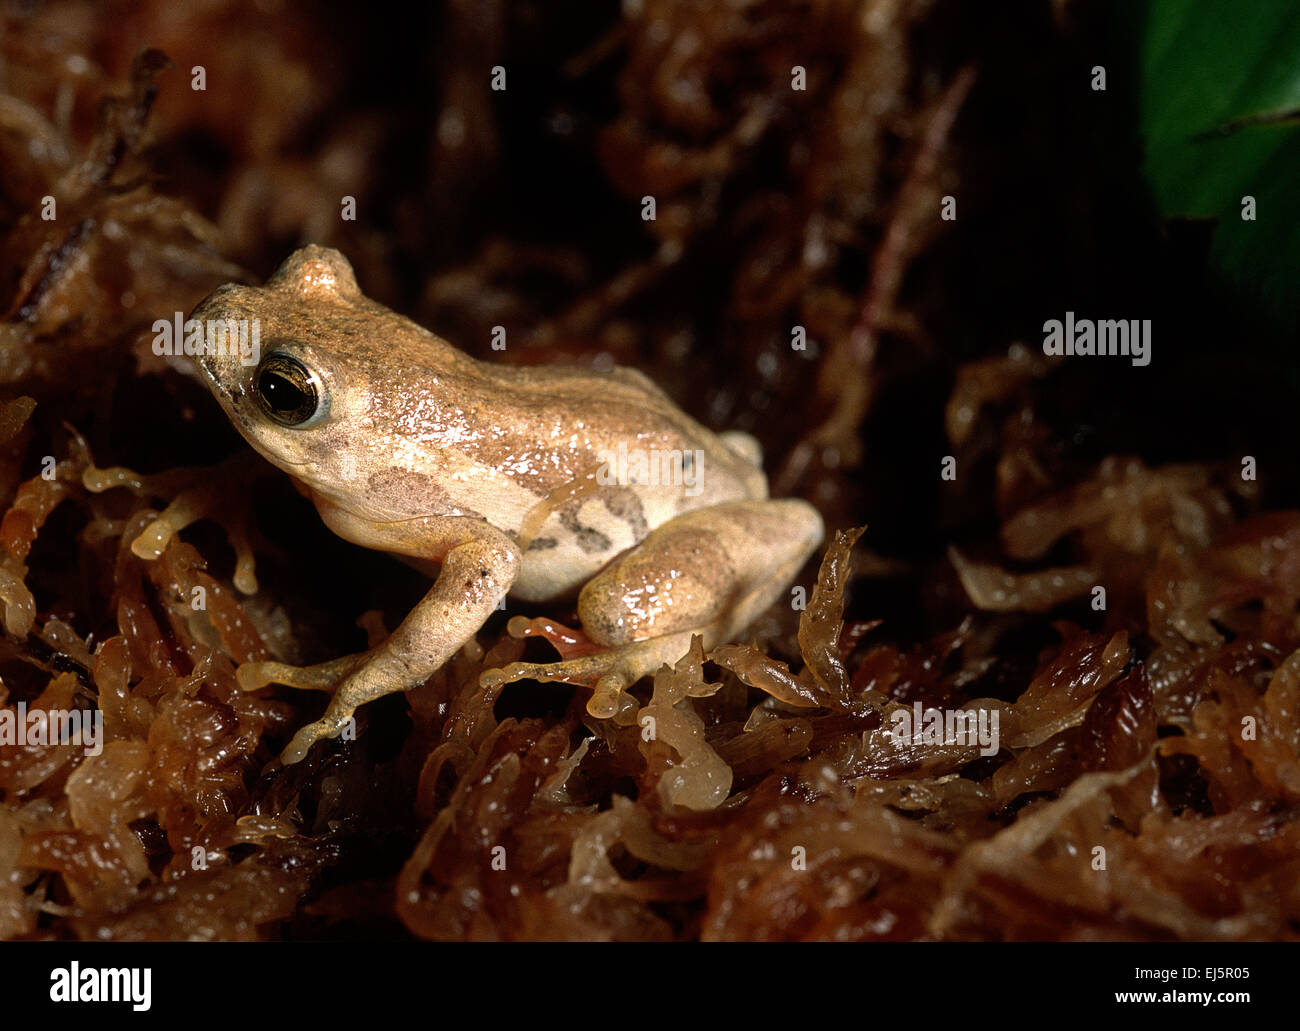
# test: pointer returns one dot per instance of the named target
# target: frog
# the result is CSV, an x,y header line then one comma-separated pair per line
x,y
533,483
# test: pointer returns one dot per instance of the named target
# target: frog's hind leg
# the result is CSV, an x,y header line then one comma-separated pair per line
x,y
710,572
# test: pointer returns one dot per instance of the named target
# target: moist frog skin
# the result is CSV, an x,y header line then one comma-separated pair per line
x,y
536,483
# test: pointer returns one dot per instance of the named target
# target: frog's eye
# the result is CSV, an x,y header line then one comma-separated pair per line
x,y
287,392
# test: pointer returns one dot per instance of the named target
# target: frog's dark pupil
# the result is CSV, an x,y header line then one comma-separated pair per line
x,y
286,391
281,393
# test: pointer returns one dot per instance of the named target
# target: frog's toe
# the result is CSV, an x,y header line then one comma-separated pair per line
x,y
608,673
331,725
586,671
253,676
607,698
300,744
603,672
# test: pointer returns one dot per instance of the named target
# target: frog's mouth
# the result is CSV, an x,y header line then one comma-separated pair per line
x,y
235,403
234,399
242,413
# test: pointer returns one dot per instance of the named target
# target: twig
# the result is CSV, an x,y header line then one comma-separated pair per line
x,y
858,350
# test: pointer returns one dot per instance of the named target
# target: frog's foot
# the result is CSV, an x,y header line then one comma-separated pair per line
x,y
330,725
332,677
326,676
353,680
609,673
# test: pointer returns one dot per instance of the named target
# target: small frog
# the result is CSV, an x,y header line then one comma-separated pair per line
x,y
539,482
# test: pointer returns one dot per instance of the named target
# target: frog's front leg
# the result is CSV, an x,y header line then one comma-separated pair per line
x,y
710,572
476,574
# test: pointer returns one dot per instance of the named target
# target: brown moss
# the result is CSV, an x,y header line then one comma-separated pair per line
x,y
772,800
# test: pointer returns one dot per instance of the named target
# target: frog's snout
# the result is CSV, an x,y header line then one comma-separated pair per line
x,y
223,340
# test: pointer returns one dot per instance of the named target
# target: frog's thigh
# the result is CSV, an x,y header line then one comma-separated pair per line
x,y
711,571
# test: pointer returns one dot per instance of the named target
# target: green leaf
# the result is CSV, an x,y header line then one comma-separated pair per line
x,y
1219,114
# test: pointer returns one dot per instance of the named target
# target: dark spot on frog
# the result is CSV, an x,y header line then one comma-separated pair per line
x,y
624,503
589,540
592,541
399,486
542,543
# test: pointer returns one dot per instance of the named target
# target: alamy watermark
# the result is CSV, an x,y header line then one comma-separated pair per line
x,y
74,983
1102,337
939,727
223,338
22,727
655,467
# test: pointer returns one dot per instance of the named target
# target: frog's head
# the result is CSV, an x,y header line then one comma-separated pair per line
x,y
308,387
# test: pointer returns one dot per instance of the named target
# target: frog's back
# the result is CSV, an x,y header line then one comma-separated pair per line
x,y
621,410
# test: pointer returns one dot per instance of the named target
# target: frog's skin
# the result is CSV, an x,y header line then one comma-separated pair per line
x,y
486,472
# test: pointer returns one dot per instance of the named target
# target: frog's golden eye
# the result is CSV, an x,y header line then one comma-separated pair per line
x,y
287,392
